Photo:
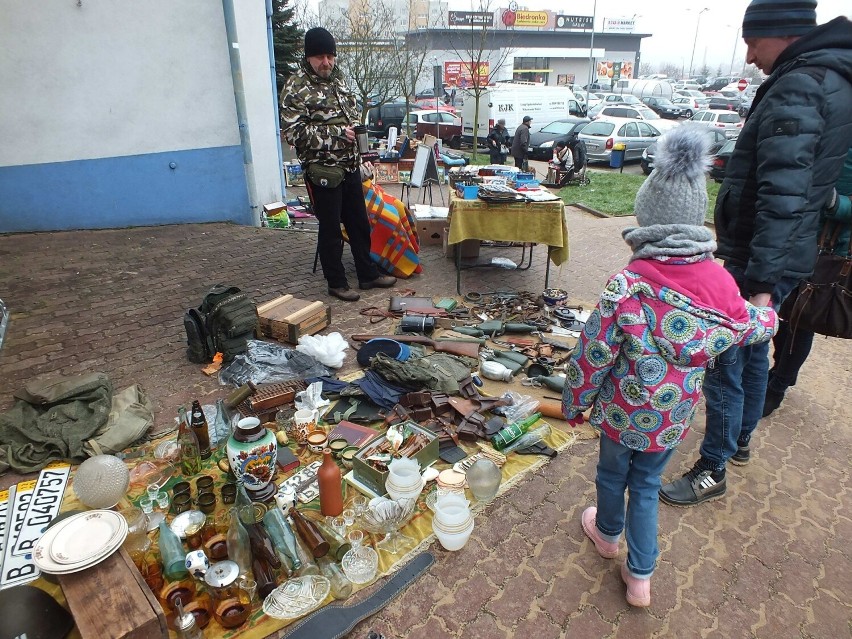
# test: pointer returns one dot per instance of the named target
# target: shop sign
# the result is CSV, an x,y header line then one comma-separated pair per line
x,y
458,74
574,22
619,25
471,18
525,18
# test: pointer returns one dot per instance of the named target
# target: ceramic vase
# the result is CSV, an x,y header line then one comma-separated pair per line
x,y
452,525
252,450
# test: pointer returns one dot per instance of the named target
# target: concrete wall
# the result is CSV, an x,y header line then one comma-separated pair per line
x,y
122,114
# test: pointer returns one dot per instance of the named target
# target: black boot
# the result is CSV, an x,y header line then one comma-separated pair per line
x,y
772,401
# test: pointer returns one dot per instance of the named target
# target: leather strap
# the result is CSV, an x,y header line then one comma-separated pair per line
x,y
335,620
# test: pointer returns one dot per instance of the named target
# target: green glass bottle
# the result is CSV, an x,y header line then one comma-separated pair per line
x,y
513,431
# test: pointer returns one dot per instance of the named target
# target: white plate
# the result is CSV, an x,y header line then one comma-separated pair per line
x,y
82,538
41,552
185,521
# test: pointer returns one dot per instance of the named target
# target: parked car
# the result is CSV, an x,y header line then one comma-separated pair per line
x,y
723,103
663,107
731,123
381,118
718,139
640,112
622,98
597,86
429,105
441,124
689,106
720,82
719,166
602,134
745,106
543,140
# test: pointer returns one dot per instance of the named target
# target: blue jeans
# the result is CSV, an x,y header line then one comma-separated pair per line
x,y
619,469
734,390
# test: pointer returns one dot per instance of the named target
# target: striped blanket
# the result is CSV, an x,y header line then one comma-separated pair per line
x,y
393,239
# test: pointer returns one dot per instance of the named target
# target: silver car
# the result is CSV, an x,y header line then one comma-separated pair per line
x,y
729,121
602,134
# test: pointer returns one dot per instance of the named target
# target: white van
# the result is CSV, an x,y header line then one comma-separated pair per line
x,y
511,101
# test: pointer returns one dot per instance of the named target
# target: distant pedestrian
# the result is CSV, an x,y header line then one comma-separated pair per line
x,y
521,143
641,357
497,140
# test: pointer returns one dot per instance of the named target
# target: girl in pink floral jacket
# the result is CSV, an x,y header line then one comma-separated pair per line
x,y
640,360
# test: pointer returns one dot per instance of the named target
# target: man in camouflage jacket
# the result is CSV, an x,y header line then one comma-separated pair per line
x,y
317,116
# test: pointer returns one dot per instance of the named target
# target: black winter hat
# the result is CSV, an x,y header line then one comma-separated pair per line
x,y
319,41
779,18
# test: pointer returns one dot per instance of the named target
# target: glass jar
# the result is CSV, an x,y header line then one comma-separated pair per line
x,y
483,479
361,562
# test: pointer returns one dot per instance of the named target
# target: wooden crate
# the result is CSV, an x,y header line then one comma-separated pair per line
x,y
288,318
112,601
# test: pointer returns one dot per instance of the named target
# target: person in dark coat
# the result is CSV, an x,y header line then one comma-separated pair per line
x,y
780,176
521,142
497,140
793,343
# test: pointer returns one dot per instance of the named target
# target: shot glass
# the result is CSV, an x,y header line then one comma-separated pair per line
x,y
339,526
348,517
147,505
163,500
153,490
359,504
249,585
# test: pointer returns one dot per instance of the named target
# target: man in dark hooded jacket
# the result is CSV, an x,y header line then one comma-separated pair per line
x,y
779,177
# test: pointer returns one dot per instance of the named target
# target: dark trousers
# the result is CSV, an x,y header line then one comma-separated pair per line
x,y
343,204
519,163
791,350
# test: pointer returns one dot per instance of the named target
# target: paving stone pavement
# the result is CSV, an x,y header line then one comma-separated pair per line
x,y
771,559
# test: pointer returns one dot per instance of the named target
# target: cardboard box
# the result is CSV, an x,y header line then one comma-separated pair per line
x,y
429,231
375,479
288,318
469,248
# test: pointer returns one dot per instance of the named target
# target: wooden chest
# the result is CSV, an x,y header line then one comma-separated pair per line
x,y
112,601
288,318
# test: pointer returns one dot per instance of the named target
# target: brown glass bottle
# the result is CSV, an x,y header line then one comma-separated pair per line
x,y
264,576
199,427
261,545
309,533
330,486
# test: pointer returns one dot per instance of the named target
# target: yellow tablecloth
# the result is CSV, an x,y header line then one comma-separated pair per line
x,y
539,222
419,528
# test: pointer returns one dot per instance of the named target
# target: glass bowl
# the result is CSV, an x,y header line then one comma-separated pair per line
x,y
386,517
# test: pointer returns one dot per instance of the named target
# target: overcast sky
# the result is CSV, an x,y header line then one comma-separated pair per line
x,y
673,26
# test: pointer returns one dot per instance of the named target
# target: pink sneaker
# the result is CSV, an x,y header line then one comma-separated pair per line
x,y
606,549
638,590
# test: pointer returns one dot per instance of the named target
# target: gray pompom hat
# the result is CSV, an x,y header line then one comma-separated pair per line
x,y
676,190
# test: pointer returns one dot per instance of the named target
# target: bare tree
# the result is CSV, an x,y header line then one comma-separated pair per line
x,y
409,65
670,69
481,57
645,68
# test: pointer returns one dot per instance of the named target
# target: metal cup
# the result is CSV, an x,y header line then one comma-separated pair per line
x,y
361,138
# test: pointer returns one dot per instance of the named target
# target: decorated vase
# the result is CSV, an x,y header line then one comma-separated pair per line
x,y
252,452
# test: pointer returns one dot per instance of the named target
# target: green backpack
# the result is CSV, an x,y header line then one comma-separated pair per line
x,y
224,322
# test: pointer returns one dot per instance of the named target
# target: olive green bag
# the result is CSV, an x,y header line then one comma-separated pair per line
x,y
328,177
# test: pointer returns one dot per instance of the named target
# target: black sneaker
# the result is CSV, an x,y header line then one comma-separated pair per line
x,y
772,401
742,456
694,487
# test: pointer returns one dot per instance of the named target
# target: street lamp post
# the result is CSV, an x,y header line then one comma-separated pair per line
x,y
734,52
697,24
591,53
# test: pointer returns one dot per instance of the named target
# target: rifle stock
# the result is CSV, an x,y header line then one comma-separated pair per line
x,y
463,349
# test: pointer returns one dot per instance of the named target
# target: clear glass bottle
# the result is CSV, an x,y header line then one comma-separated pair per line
x,y
341,587
239,545
221,425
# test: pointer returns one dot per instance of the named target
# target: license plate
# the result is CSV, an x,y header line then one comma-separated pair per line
x,y
44,506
